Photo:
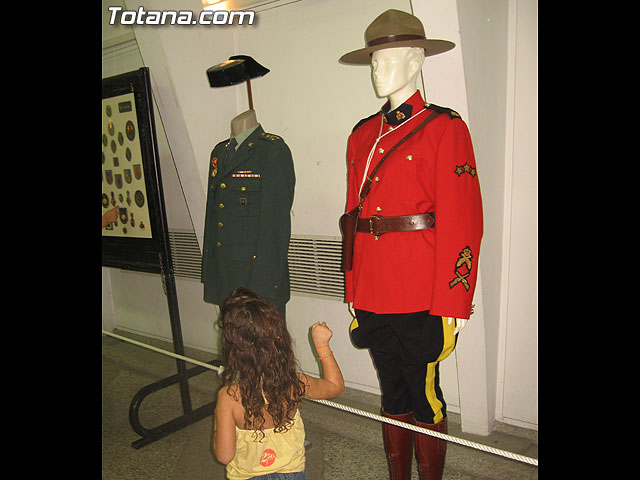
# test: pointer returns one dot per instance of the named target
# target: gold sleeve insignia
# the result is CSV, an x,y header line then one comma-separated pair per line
x,y
462,268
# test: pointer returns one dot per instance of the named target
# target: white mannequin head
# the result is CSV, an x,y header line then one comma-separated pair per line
x,y
394,72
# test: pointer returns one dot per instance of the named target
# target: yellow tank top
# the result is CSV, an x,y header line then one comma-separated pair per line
x,y
277,452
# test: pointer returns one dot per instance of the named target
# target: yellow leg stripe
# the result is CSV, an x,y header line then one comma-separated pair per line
x,y
430,388
354,325
449,338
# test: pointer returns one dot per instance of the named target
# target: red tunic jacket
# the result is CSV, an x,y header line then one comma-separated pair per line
x,y
433,171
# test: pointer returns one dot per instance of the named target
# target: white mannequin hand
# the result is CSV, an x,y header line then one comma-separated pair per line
x,y
460,323
351,310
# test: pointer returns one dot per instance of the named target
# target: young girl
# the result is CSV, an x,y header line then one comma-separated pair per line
x,y
258,431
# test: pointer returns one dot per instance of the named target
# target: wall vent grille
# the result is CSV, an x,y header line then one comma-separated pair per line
x,y
314,266
185,252
314,262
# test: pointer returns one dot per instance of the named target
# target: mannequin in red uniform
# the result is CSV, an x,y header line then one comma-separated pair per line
x,y
411,289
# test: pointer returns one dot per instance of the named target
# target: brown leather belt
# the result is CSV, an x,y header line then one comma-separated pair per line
x,y
378,225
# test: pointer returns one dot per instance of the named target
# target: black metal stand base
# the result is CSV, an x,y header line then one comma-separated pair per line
x,y
189,417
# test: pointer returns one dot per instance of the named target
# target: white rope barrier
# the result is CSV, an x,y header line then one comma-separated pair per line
x,y
159,350
380,418
442,436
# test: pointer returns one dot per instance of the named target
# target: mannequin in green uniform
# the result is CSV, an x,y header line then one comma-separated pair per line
x,y
250,191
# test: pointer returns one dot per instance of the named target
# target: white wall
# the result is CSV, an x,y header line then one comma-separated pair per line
x,y
518,355
483,36
313,102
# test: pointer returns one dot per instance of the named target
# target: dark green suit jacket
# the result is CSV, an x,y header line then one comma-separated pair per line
x,y
247,222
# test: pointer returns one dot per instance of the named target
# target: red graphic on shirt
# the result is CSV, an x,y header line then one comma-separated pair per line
x,y
268,457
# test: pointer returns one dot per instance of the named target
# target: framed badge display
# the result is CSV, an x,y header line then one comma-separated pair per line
x,y
131,181
119,115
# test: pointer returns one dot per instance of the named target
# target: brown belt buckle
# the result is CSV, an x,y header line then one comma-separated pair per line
x,y
371,228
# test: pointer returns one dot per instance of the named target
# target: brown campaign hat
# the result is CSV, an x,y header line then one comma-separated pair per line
x,y
391,29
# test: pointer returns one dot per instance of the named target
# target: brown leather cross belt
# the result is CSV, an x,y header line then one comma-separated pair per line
x,y
378,225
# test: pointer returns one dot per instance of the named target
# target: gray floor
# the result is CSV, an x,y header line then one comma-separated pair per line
x,y
343,445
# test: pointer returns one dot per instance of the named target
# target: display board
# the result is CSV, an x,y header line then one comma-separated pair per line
x,y
122,170
130,175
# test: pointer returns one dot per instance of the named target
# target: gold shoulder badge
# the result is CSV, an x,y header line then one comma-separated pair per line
x,y
466,168
270,136
462,268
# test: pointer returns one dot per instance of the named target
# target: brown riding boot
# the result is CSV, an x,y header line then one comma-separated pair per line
x,y
431,451
398,445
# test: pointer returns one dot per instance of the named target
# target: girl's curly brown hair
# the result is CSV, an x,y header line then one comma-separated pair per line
x,y
258,357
